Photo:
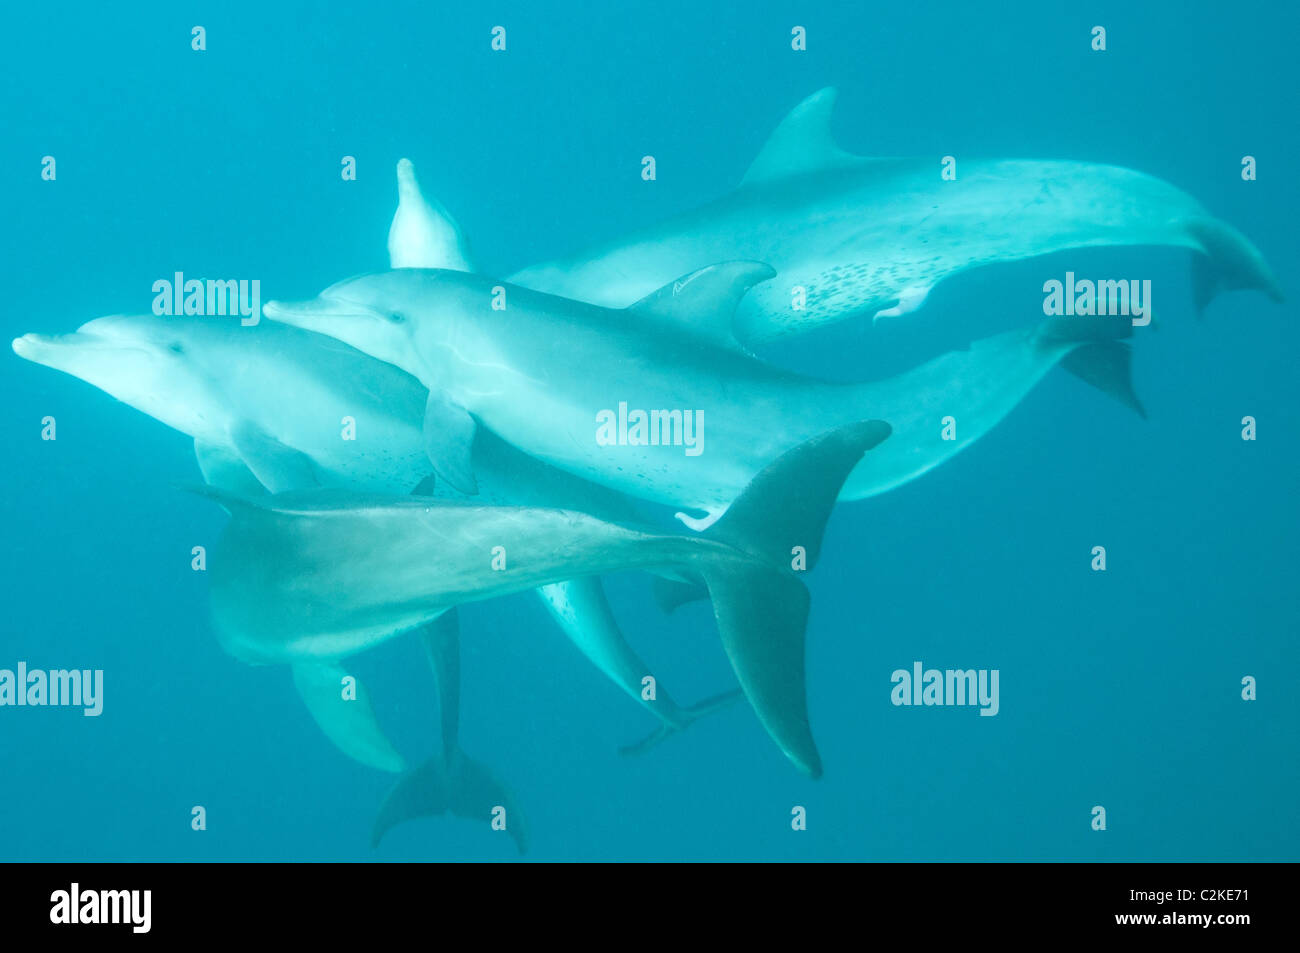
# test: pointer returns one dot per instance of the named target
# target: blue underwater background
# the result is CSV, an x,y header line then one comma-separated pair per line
x,y
1120,689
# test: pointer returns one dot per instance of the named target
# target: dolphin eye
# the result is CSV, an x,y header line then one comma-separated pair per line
x,y
177,347
397,317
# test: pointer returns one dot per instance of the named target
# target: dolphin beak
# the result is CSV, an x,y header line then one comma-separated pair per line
x,y
317,314
283,311
35,347
65,351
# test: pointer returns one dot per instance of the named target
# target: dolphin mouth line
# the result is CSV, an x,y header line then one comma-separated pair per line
x,y
75,340
61,351
287,311
47,340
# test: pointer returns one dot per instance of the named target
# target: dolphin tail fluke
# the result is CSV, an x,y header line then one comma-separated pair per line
x,y
760,605
420,792
476,794
689,716
1097,354
450,781
457,784
1230,262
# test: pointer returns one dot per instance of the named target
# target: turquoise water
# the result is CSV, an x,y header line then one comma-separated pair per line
x,y
1120,689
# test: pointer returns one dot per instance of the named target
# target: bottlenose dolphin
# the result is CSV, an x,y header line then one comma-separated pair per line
x,y
546,371
267,406
320,575
866,236
263,408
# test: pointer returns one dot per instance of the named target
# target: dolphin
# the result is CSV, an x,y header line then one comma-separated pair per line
x,y
267,406
546,373
850,235
323,574
263,408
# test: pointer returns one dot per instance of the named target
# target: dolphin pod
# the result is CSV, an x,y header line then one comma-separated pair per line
x,y
401,562
545,418
263,405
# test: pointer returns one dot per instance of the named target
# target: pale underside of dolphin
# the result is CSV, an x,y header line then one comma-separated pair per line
x,y
318,576
541,373
854,236
267,407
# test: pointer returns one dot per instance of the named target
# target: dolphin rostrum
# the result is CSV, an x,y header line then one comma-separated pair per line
x,y
850,235
267,406
320,575
658,400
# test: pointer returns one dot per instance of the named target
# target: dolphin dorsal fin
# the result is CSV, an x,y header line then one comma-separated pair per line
x,y
423,233
801,143
278,467
703,303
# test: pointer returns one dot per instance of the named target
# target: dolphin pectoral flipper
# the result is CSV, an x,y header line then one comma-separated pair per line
x,y
449,441
427,486
344,713
226,470
583,613
580,608
279,468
